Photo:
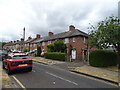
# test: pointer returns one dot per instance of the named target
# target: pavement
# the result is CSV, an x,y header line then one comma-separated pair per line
x,y
83,68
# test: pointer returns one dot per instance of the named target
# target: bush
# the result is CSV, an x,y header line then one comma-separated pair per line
x,y
55,56
102,58
25,50
38,50
50,48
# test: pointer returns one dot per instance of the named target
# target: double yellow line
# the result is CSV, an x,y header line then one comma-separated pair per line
x,y
19,83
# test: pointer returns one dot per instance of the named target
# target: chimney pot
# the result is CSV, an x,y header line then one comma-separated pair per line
x,y
50,33
71,27
29,38
38,36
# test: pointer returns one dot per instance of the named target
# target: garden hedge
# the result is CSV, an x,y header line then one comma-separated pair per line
x,y
102,58
55,56
38,50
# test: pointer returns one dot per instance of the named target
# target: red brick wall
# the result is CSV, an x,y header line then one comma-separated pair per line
x,y
78,44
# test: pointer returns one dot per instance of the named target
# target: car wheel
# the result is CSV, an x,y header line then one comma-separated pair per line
x,y
3,66
30,69
8,70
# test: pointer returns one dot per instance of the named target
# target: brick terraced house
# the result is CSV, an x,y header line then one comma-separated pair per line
x,y
73,38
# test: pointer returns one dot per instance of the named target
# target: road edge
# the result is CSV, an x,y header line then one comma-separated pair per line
x,y
114,82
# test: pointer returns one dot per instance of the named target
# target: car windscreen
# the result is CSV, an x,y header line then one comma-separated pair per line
x,y
3,52
21,57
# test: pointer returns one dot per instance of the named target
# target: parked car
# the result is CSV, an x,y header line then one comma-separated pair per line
x,y
3,54
42,54
17,61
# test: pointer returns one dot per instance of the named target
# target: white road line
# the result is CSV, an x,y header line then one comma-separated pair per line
x,y
62,78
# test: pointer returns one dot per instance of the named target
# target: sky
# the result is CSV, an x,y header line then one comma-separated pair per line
x,y
42,16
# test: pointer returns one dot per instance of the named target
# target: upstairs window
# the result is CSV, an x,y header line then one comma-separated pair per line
x,y
66,40
84,40
43,43
49,42
73,39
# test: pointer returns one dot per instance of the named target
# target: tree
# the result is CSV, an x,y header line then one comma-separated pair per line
x,y
59,46
106,34
38,50
50,48
3,43
25,50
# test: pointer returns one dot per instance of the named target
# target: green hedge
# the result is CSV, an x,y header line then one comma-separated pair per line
x,y
38,50
102,58
55,56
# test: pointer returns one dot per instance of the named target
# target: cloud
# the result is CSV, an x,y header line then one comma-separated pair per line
x,y
41,16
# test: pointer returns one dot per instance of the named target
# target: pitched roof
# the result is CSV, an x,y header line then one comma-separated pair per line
x,y
71,33
31,40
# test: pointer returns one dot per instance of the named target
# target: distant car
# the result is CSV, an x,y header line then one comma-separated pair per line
x,y
3,54
16,51
42,54
17,61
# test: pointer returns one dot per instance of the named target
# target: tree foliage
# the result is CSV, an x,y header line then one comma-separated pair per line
x,y
58,46
50,48
38,50
105,34
3,43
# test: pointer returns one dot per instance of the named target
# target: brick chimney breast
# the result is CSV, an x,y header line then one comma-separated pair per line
x,y
50,33
38,36
71,27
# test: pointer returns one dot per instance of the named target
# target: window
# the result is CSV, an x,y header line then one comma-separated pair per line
x,y
34,45
84,39
49,42
66,40
28,44
73,39
43,43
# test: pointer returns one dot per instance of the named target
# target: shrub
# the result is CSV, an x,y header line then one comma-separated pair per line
x,y
50,48
59,46
25,50
55,56
38,50
102,58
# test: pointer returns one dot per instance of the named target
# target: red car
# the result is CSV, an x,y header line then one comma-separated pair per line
x,y
17,61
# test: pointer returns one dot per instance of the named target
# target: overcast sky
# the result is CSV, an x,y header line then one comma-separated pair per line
x,y
42,16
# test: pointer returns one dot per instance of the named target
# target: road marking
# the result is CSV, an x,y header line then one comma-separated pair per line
x,y
19,83
61,78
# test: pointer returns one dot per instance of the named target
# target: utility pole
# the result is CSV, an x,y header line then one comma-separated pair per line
x,y
24,33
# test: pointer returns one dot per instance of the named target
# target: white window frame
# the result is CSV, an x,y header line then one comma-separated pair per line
x,y
66,40
84,39
73,39
49,42
43,43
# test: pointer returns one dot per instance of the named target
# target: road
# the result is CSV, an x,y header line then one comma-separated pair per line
x,y
47,76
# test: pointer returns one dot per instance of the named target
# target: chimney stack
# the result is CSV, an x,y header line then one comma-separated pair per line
x,y
38,36
17,40
71,27
29,38
50,33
